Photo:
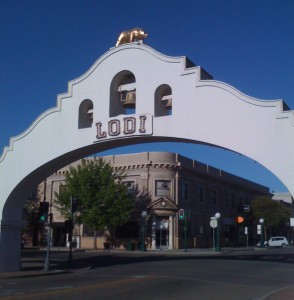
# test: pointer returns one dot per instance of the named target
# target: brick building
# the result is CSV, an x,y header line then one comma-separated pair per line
x,y
164,183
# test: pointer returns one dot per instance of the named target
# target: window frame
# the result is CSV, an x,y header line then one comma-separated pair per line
x,y
162,194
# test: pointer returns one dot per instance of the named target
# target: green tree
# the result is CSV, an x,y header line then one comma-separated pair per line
x,y
273,212
102,199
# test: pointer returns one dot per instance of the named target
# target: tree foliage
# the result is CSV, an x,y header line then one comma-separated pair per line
x,y
101,196
273,212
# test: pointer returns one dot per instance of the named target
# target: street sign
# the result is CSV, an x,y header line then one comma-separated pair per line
x,y
247,208
213,223
246,230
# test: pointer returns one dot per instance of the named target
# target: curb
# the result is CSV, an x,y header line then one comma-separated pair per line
x,y
27,274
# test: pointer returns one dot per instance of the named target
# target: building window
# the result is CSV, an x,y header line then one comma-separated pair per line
x,y
184,191
62,188
214,197
162,188
226,200
131,187
246,202
233,201
200,194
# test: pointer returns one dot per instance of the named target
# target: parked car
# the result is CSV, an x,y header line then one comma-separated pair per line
x,y
275,241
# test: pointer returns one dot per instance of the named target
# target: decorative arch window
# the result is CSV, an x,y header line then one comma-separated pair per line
x,y
123,94
85,114
163,101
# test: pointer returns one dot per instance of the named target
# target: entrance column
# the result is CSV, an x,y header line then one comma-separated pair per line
x,y
10,258
153,233
171,232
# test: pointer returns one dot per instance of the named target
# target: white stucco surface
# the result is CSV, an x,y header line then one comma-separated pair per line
x,y
205,111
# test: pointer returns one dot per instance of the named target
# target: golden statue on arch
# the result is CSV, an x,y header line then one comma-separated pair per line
x,y
131,35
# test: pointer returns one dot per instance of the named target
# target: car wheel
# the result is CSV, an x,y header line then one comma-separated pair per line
x,y
283,245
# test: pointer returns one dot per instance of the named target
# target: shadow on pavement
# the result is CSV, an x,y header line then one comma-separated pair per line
x,y
99,259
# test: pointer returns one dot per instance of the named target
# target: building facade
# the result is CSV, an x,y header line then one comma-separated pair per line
x,y
162,184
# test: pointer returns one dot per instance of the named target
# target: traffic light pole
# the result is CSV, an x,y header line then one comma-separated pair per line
x,y
70,246
183,217
47,260
185,232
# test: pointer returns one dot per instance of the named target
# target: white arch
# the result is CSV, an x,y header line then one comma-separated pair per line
x,y
204,110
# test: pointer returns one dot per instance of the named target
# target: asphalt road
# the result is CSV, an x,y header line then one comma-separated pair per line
x,y
238,275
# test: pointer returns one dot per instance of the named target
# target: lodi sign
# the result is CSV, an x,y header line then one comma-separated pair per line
x,y
134,94
123,126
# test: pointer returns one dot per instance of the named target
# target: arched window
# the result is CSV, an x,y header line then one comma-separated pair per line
x,y
85,114
163,101
122,94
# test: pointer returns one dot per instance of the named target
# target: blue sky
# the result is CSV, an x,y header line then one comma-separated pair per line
x,y
45,44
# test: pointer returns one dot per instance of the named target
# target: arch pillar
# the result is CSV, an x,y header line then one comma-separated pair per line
x,y
10,245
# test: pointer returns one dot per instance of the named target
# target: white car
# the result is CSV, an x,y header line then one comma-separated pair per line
x,y
277,241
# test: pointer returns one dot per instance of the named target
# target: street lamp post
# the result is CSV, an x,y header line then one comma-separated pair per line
x,y
47,261
261,221
143,215
213,225
217,247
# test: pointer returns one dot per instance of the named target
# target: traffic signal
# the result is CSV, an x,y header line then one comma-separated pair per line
x,y
43,211
239,219
188,214
181,214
